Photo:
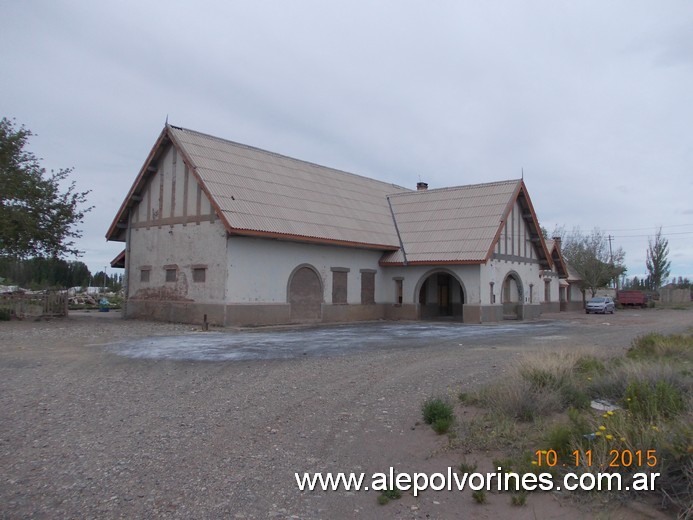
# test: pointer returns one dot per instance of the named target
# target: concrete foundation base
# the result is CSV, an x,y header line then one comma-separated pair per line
x,y
262,314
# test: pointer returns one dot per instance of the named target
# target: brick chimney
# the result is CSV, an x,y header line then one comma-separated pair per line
x,y
421,186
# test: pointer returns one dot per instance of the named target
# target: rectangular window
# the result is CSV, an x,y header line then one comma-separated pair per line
x,y
144,275
547,290
171,274
492,297
199,274
339,285
367,286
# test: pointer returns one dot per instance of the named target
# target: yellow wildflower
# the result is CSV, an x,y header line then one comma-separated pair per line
x,y
602,428
609,437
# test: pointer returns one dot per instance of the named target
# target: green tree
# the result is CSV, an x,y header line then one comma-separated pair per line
x,y
36,217
657,261
592,259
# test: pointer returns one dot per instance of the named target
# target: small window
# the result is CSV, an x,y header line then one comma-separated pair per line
x,y
199,274
171,274
339,285
144,275
547,290
399,291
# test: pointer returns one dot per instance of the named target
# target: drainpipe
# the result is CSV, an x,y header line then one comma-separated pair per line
x,y
399,237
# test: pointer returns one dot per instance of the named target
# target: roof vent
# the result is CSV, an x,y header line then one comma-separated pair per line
x,y
421,186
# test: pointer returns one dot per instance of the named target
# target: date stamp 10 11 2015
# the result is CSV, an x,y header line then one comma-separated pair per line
x,y
623,458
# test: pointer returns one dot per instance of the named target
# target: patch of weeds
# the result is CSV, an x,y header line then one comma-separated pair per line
x,y
539,378
479,496
5,314
650,402
589,365
653,384
519,500
383,500
467,468
488,432
560,438
390,494
575,396
656,346
438,412
442,425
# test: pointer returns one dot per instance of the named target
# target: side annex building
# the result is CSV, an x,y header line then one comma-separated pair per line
x,y
249,237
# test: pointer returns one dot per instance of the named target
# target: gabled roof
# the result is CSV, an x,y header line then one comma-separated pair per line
x,y
458,225
261,193
119,260
559,264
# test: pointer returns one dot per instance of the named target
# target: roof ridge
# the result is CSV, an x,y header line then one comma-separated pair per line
x,y
283,156
456,188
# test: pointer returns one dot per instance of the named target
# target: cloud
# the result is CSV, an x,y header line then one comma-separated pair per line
x,y
589,99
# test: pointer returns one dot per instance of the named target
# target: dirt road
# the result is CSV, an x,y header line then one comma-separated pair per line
x,y
88,432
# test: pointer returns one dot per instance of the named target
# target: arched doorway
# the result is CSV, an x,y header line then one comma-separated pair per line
x,y
512,296
441,296
305,294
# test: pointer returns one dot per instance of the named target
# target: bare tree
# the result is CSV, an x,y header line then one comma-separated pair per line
x,y
657,261
591,258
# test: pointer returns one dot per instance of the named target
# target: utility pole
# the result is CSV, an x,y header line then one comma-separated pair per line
x,y
611,254
611,259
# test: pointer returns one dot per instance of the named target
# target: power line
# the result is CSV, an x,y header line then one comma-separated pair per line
x,y
651,227
663,235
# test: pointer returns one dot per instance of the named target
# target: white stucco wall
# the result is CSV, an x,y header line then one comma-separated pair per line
x,y
497,270
194,245
173,225
259,268
414,275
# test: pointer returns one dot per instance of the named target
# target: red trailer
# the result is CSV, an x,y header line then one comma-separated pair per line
x,y
632,298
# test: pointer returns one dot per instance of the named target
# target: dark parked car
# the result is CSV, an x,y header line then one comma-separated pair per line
x,y
601,304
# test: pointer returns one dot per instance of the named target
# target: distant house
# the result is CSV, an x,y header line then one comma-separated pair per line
x,y
570,295
250,237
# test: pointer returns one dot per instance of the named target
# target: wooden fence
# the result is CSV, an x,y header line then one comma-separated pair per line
x,y
33,305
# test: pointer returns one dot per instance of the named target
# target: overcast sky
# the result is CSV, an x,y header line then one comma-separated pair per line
x,y
592,99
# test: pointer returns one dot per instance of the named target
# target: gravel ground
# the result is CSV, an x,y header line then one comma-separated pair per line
x,y
88,433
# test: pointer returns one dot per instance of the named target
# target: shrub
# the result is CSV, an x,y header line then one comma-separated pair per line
x,y
436,408
442,425
479,496
653,401
589,365
467,468
574,396
5,314
390,494
560,437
